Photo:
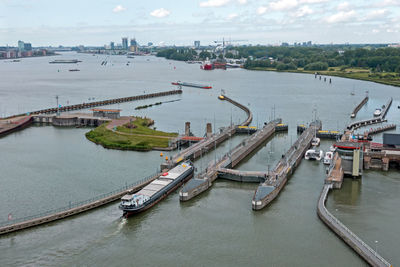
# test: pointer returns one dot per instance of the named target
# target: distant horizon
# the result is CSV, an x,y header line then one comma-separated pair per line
x,y
201,44
257,22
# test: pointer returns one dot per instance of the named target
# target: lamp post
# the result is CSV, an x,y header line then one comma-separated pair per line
x,y
376,247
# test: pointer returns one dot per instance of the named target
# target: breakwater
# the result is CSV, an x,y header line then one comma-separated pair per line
x,y
99,103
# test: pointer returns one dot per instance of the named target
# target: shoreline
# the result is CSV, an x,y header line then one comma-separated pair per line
x,y
333,74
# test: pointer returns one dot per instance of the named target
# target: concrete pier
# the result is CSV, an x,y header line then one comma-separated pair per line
x,y
278,177
361,248
50,216
358,107
99,103
204,180
71,119
212,141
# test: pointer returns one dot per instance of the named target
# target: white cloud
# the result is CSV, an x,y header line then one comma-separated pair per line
x,y
343,6
303,11
341,16
386,3
214,3
232,16
313,1
261,10
283,4
160,13
374,14
118,9
242,2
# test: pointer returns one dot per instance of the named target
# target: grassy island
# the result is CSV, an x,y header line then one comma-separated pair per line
x,y
132,133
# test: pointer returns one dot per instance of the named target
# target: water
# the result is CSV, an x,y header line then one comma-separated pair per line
x,y
46,167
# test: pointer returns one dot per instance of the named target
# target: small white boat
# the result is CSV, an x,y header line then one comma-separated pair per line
x,y
328,158
313,154
315,141
377,112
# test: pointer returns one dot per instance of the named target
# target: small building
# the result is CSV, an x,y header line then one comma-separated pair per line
x,y
106,113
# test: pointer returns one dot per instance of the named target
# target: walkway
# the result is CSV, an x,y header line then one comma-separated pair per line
x,y
366,252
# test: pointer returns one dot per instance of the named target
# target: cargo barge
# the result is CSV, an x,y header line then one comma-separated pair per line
x,y
157,190
64,61
192,85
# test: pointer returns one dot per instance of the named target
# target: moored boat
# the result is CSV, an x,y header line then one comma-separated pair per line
x,y
156,190
328,158
315,141
377,112
313,154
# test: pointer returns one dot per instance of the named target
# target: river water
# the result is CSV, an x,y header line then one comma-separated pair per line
x,y
44,167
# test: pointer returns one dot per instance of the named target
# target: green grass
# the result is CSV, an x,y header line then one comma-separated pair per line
x,y
142,128
389,78
110,139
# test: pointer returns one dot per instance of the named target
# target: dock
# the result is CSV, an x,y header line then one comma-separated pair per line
x,y
203,146
355,125
204,180
358,107
11,125
277,178
73,208
380,129
352,240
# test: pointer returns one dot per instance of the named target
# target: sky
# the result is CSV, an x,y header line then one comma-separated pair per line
x,y
180,22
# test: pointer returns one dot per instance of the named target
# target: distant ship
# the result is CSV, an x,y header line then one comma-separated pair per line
x,y
64,61
207,65
157,190
192,85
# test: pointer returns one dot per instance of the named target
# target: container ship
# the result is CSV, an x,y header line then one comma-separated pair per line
x,y
157,190
192,85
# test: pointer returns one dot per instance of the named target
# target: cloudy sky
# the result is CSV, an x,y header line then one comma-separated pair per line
x,y
97,22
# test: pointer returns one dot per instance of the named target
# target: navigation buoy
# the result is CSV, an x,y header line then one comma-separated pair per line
x,y
161,154
166,157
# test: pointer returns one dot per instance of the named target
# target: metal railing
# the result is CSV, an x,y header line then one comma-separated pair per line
x,y
73,205
347,230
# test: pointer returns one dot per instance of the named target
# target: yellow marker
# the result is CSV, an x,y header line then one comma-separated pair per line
x,y
253,127
166,157
161,154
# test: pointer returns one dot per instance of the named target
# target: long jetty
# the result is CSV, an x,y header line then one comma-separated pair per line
x,y
277,178
99,103
358,107
380,119
204,180
380,129
366,252
73,208
195,151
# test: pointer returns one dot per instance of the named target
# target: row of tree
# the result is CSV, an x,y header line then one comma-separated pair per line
x,y
321,58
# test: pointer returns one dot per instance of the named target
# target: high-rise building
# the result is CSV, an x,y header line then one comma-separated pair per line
x,y
21,46
125,43
149,44
197,44
27,46
133,45
112,45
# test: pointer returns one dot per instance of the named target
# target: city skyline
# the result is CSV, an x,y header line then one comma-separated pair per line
x,y
259,22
